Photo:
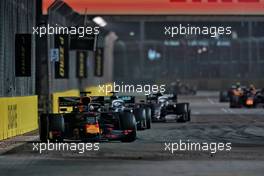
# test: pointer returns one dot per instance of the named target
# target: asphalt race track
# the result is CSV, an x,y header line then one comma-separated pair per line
x,y
211,122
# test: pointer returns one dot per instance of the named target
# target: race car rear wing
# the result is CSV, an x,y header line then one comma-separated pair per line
x,y
99,99
69,101
126,99
76,101
67,104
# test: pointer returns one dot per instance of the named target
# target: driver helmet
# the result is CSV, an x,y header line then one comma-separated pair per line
x,y
238,85
252,87
117,103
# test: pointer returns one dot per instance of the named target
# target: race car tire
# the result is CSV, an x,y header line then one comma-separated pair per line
x,y
128,122
183,118
56,123
182,109
43,127
130,137
189,116
148,117
140,115
189,112
235,102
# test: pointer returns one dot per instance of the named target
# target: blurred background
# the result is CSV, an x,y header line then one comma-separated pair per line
x,y
135,49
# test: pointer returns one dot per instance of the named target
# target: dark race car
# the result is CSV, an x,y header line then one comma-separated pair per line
x,y
245,97
116,121
75,126
166,108
141,110
88,120
225,95
182,88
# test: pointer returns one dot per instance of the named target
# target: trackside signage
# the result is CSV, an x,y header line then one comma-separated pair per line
x,y
81,64
99,62
12,116
23,55
159,7
62,65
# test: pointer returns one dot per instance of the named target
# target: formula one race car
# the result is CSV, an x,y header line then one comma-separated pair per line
x,y
225,95
245,97
88,120
182,88
166,108
140,110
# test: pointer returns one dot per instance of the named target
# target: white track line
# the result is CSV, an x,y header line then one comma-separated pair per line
x,y
223,109
210,101
196,113
231,111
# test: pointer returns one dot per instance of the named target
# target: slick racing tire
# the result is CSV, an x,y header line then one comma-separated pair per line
x,y
235,102
148,117
128,122
130,137
184,118
182,110
189,116
43,127
189,112
56,123
140,115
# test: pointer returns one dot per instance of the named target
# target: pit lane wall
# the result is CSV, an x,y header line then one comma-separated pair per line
x,y
18,115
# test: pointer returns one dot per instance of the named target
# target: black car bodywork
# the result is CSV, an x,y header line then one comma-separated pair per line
x,y
89,120
245,97
167,107
141,110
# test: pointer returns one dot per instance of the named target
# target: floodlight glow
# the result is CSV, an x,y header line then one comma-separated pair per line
x,y
100,21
